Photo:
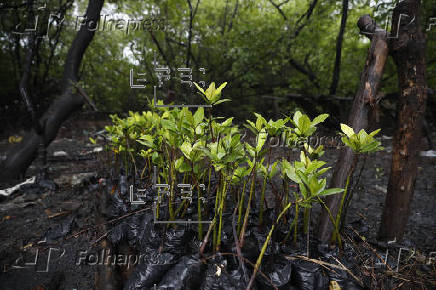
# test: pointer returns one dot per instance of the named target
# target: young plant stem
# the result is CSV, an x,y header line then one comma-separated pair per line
x,y
308,233
179,208
297,210
158,197
170,204
262,252
217,200
286,192
354,186
221,209
194,180
293,227
247,211
210,124
206,238
262,197
306,216
208,189
143,171
336,235
200,224
133,158
332,220
241,205
208,182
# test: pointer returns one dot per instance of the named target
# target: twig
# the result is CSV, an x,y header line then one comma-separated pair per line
x,y
315,261
75,235
87,98
100,238
324,264
349,272
206,238
371,248
58,214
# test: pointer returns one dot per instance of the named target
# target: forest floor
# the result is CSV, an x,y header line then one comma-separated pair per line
x,y
44,231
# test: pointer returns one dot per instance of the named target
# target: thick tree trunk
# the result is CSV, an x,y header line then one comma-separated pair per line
x,y
358,117
21,155
408,51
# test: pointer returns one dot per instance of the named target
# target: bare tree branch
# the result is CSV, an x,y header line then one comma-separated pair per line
x,y
278,9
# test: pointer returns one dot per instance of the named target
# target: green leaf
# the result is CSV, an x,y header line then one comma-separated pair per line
x,y
304,123
217,92
373,133
370,147
186,149
274,170
178,163
331,191
348,143
198,116
199,130
302,157
199,88
227,122
209,91
169,125
221,101
146,140
181,165
362,136
347,130
296,117
154,157
292,175
321,118
261,140
260,121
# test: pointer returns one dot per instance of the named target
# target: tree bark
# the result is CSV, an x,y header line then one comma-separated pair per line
x,y
21,155
408,51
358,117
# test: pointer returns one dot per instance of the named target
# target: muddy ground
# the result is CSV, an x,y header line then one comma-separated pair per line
x,y
44,231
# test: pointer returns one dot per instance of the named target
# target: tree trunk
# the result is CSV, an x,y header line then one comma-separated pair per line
x,y
358,117
337,67
21,155
408,51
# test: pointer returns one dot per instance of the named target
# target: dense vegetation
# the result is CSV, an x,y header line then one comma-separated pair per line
x,y
193,147
270,54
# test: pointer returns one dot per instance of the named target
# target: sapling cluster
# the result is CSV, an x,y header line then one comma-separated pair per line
x,y
199,148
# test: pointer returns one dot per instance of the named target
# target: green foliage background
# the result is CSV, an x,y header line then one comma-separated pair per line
x,y
263,53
